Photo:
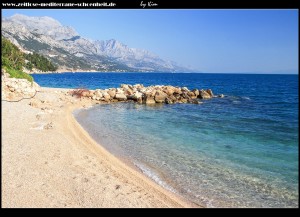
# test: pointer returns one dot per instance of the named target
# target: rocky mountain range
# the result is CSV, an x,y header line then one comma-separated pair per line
x,y
72,52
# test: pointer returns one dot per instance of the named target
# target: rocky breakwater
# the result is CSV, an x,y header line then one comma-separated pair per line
x,y
147,95
17,89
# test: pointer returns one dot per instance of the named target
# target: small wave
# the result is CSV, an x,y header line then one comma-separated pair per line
x,y
238,97
154,176
245,97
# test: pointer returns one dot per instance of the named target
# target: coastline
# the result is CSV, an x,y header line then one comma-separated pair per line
x,y
49,160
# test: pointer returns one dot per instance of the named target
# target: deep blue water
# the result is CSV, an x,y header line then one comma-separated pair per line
x,y
236,151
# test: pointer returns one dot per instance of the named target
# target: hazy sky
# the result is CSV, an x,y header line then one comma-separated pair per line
x,y
208,40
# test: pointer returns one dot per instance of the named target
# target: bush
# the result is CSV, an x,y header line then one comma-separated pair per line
x,y
14,73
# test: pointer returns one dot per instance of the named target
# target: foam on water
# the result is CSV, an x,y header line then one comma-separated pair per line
x,y
154,176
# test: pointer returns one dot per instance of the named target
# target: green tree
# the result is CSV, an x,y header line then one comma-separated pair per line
x,y
13,60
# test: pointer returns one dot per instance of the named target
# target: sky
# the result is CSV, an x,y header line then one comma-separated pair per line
x,y
212,41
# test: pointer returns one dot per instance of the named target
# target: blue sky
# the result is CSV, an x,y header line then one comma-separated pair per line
x,y
238,41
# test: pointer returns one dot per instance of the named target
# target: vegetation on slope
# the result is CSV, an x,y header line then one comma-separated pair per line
x,y
39,62
14,61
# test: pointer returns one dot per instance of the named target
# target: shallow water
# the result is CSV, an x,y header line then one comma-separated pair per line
x,y
237,151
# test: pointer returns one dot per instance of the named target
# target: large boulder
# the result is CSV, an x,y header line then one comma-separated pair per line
x,y
149,100
120,97
192,95
209,91
169,101
124,86
137,95
160,97
196,92
185,95
169,90
138,86
204,95
106,96
112,93
98,94
177,90
185,89
85,93
128,91
120,90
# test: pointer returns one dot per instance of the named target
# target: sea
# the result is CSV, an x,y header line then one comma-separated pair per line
x,y
237,151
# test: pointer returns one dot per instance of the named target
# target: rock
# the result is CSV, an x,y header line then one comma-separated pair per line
x,y
204,95
160,96
48,126
90,94
120,97
137,95
128,92
185,89
149,100
124,86
177,90
169,101
193,101
119,90
169,90
191,94
196,92
106,96
138,86
140,100
112,93
173,98
183,100
85,93
209,91
98,94
185,95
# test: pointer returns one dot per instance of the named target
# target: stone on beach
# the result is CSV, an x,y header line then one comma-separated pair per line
x,y
150,95
16,89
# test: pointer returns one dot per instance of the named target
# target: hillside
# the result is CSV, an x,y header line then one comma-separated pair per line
x,y
14,61
72,52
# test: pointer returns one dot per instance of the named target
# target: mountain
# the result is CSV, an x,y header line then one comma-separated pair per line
x,y
72,52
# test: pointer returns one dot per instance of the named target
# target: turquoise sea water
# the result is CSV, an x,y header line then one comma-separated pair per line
x,y
236,151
